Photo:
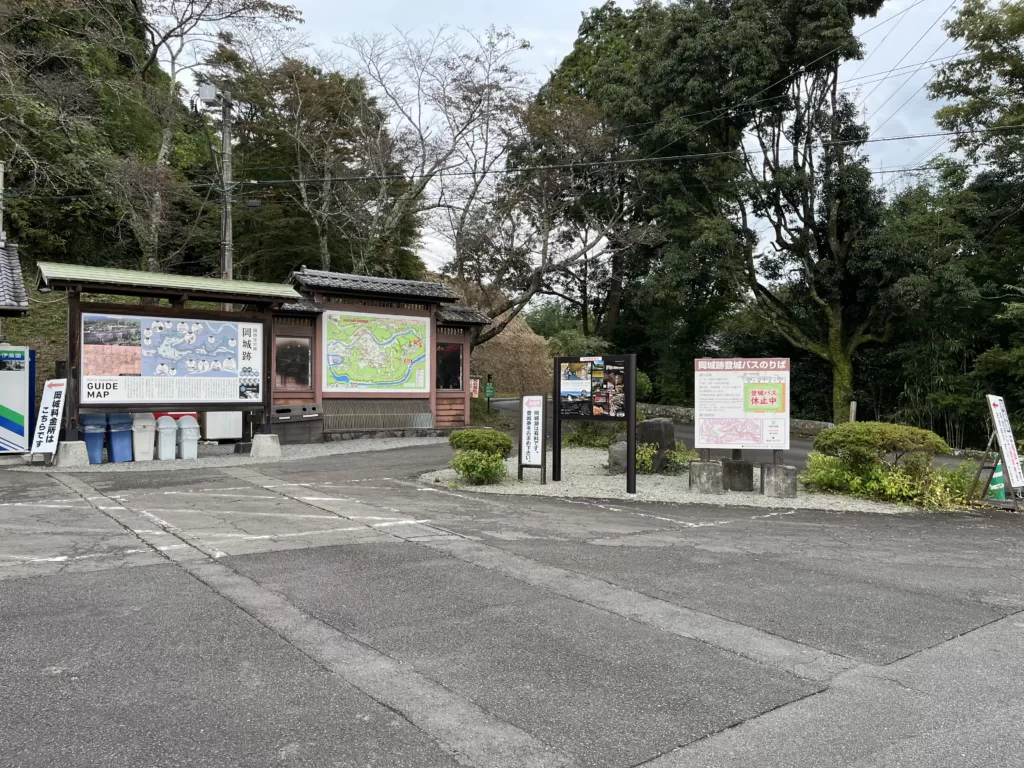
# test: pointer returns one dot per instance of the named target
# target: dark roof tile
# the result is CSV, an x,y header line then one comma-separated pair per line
x,y
339,282
13,297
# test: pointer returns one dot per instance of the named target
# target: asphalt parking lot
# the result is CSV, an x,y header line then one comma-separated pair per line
x,y
337,612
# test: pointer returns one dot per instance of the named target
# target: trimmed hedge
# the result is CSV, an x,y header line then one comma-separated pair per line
x,y
868,442
482,440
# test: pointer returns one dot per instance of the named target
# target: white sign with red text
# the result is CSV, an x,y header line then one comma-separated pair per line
x,y
1007,445
51,414
741,403
531,431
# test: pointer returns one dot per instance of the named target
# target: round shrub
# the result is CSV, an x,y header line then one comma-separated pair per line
x,y
479,468
868,442
482,440
644,388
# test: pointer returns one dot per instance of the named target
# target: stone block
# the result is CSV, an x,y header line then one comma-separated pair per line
x,y
244,448
617,455
265,447
660,432
779,480
737,475
706,477
71,454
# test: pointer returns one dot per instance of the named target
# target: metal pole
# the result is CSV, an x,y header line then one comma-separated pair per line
x,y
556,425
631,424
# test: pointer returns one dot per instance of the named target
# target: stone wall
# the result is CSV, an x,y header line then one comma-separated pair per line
x,y
681,415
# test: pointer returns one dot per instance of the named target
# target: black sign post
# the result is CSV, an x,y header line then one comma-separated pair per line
x,y
597,388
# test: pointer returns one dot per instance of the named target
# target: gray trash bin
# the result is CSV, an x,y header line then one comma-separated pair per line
x,y
143,436
188,437
166,438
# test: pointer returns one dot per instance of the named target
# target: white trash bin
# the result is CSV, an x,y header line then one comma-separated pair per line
x,y
188,437
143,436
166,438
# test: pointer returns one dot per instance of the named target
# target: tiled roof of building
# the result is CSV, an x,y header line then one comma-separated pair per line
x,y
339,282
462,316
13,297
302,308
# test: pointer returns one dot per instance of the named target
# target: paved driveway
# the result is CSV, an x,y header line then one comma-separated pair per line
x,y
336,612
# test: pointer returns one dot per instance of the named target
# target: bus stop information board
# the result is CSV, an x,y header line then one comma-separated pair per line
x,y
592,388
134,359
742,403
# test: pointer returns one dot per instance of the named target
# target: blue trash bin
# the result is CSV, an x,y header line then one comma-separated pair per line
x,y
119,436
94,429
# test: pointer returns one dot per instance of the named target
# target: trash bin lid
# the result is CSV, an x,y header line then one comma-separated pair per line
x,y
186,422
143,422
93,419
166,424
119,418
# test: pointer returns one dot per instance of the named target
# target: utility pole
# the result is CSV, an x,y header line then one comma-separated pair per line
x,y
227,243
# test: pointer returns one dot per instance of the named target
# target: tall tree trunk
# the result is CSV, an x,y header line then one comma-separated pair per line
x,y
325,253
842,386
613,303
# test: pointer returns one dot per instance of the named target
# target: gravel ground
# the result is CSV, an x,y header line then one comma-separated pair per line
x,y
585,475
224,456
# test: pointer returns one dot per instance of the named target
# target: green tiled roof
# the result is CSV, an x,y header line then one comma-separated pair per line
x,y
63,274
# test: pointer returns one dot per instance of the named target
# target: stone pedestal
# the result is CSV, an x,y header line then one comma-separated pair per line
x,y
779,480
617,455
71,454
738,475
706,477
265,447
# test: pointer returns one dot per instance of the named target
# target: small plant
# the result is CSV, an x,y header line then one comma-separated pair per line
x,y
645,453
482,440
678,461
587,434
479,467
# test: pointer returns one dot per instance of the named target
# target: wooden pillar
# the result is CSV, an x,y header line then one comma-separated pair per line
x,y
74,367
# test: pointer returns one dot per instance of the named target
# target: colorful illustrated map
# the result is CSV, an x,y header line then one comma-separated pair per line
x,y
130,358
376,353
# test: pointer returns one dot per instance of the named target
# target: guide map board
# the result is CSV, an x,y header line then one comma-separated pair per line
x,y
1007,445
592,388
376,353
139,359
741,403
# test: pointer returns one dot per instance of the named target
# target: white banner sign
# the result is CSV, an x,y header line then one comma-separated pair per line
x,y
742,403
51,414
134,359
531,431
1007,445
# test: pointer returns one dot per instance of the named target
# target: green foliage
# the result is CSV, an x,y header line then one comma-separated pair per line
x,y
550,318
867,443
482,441
645,453
678,461
480,467
644,388
571,343
914,482
589,434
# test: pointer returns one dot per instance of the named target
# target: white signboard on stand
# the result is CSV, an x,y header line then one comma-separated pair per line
x,y
531,431
51,415
1007,445
742,403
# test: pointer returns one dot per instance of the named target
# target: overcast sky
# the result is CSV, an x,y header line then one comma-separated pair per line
x,y
896,106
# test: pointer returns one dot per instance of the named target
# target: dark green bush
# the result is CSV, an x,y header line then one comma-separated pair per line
x,y
589,434
483,440
644,388
869,442
678,461
479,467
